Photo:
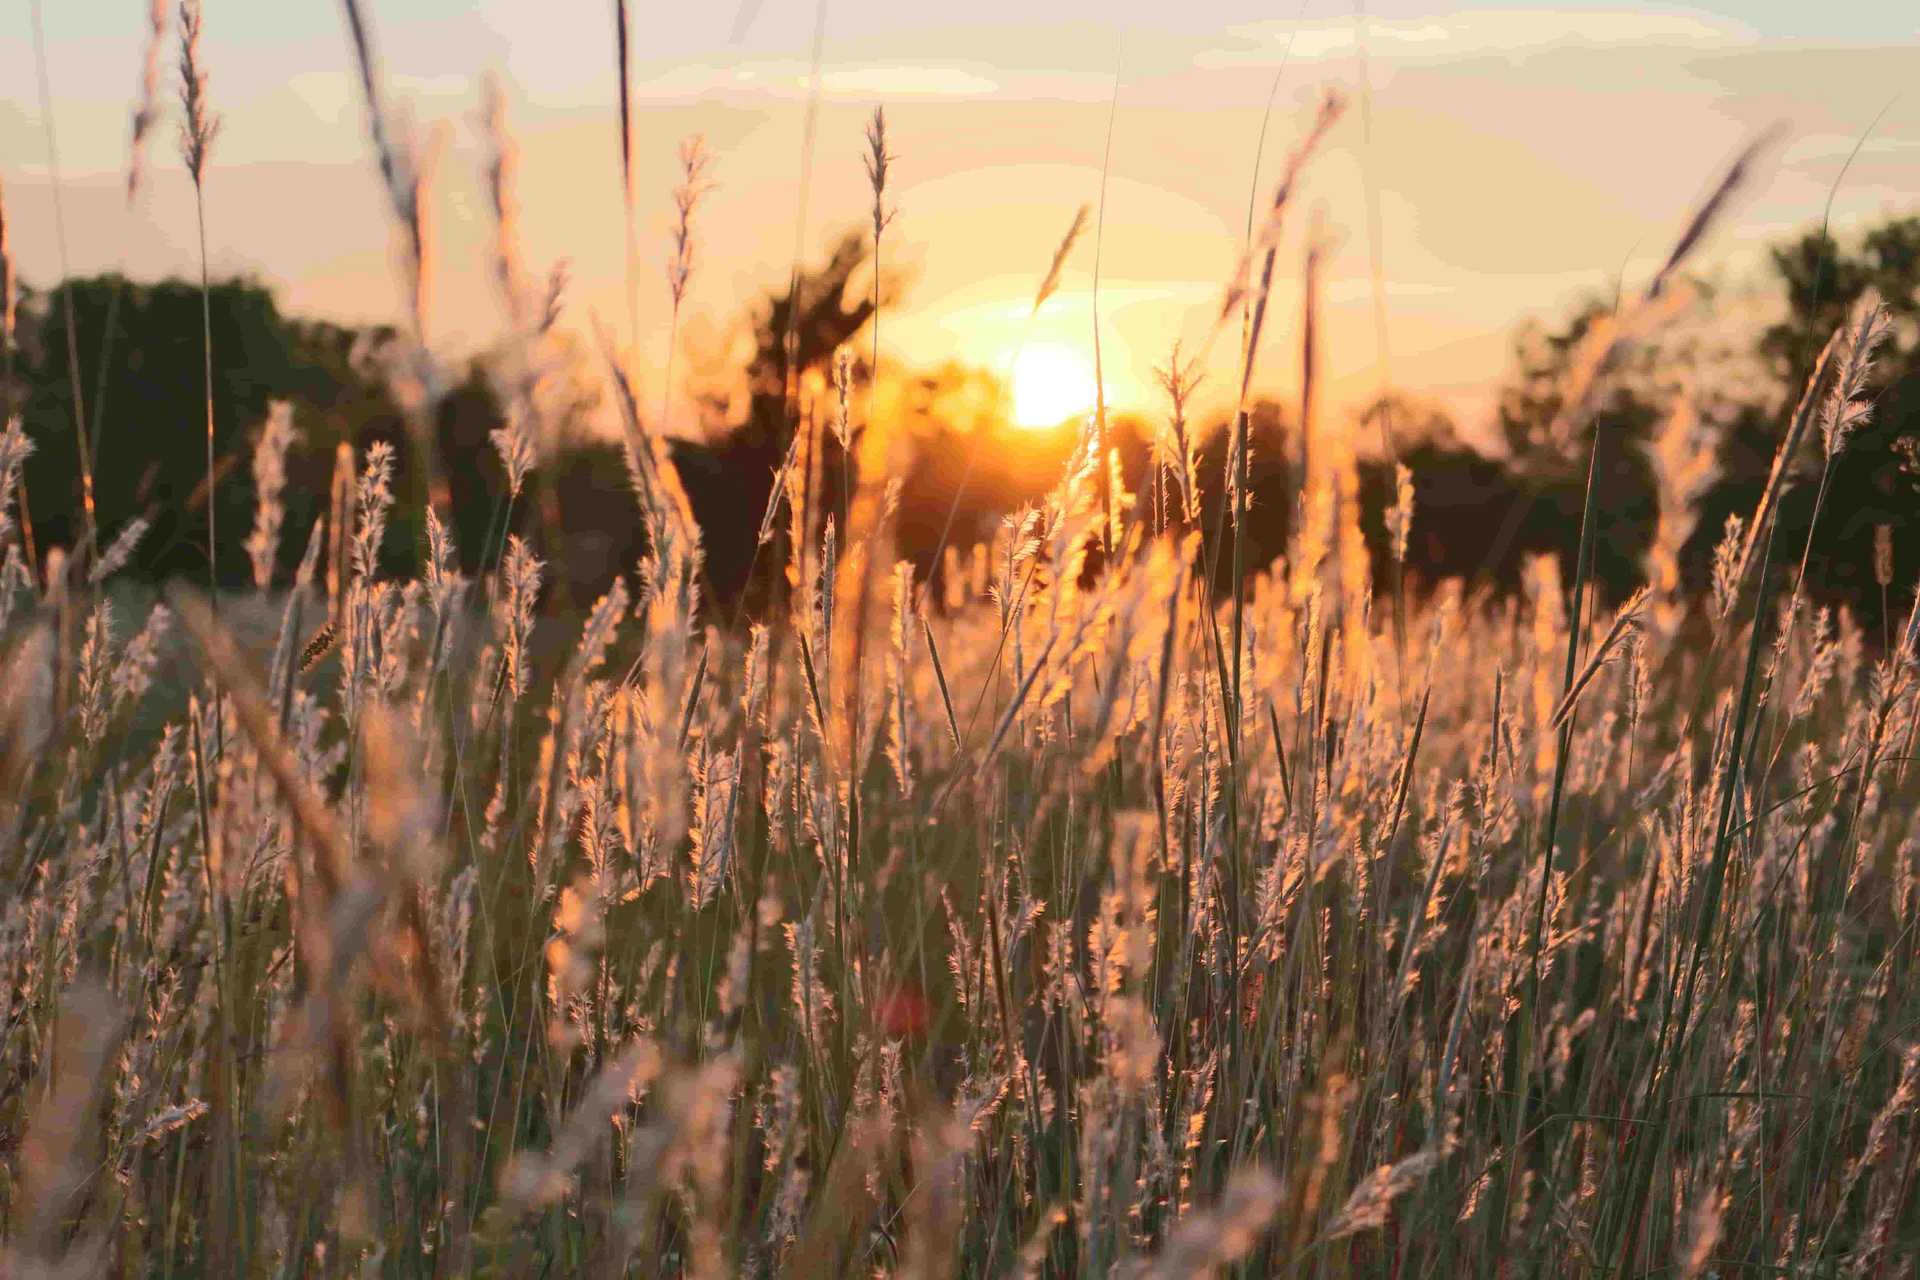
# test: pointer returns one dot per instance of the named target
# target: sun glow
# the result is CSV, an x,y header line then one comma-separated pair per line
x,y
1051,383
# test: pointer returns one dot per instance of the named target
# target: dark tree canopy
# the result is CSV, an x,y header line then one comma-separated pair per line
x,y
142,389
1478,515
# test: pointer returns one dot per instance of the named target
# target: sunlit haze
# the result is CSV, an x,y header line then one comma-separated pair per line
x,y
1051,382
1520,157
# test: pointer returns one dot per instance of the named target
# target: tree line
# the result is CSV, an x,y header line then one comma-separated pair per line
x,y
1695,420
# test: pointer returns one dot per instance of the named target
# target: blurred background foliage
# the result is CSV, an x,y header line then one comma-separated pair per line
x,y
1480,511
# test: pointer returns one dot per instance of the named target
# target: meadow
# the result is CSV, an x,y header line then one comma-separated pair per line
x,y
1104,904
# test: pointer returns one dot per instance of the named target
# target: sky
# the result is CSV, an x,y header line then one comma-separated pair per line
x,y
1521,157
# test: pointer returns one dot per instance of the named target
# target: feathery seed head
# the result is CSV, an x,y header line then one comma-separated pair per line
x,y
201,125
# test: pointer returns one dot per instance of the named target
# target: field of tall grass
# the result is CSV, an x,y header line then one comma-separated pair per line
x,y
1059,916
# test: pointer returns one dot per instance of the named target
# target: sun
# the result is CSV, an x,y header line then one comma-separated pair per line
x,y
1051,383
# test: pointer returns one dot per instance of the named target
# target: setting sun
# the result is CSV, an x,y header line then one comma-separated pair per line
x,y
1051,383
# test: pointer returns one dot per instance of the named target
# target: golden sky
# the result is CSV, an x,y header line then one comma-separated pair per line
x,y
1522,156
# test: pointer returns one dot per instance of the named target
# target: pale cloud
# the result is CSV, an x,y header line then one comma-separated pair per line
x,y
334,97
1475,33
1831,146
788,79
914,82
1357,289
327,95
693,80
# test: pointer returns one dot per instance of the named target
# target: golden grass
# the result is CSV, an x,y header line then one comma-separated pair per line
x,y
1086,925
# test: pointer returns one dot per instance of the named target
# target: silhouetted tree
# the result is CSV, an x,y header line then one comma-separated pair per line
x,y
1873,481
729,477
1553,458
1272,490
1477,514
141,384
